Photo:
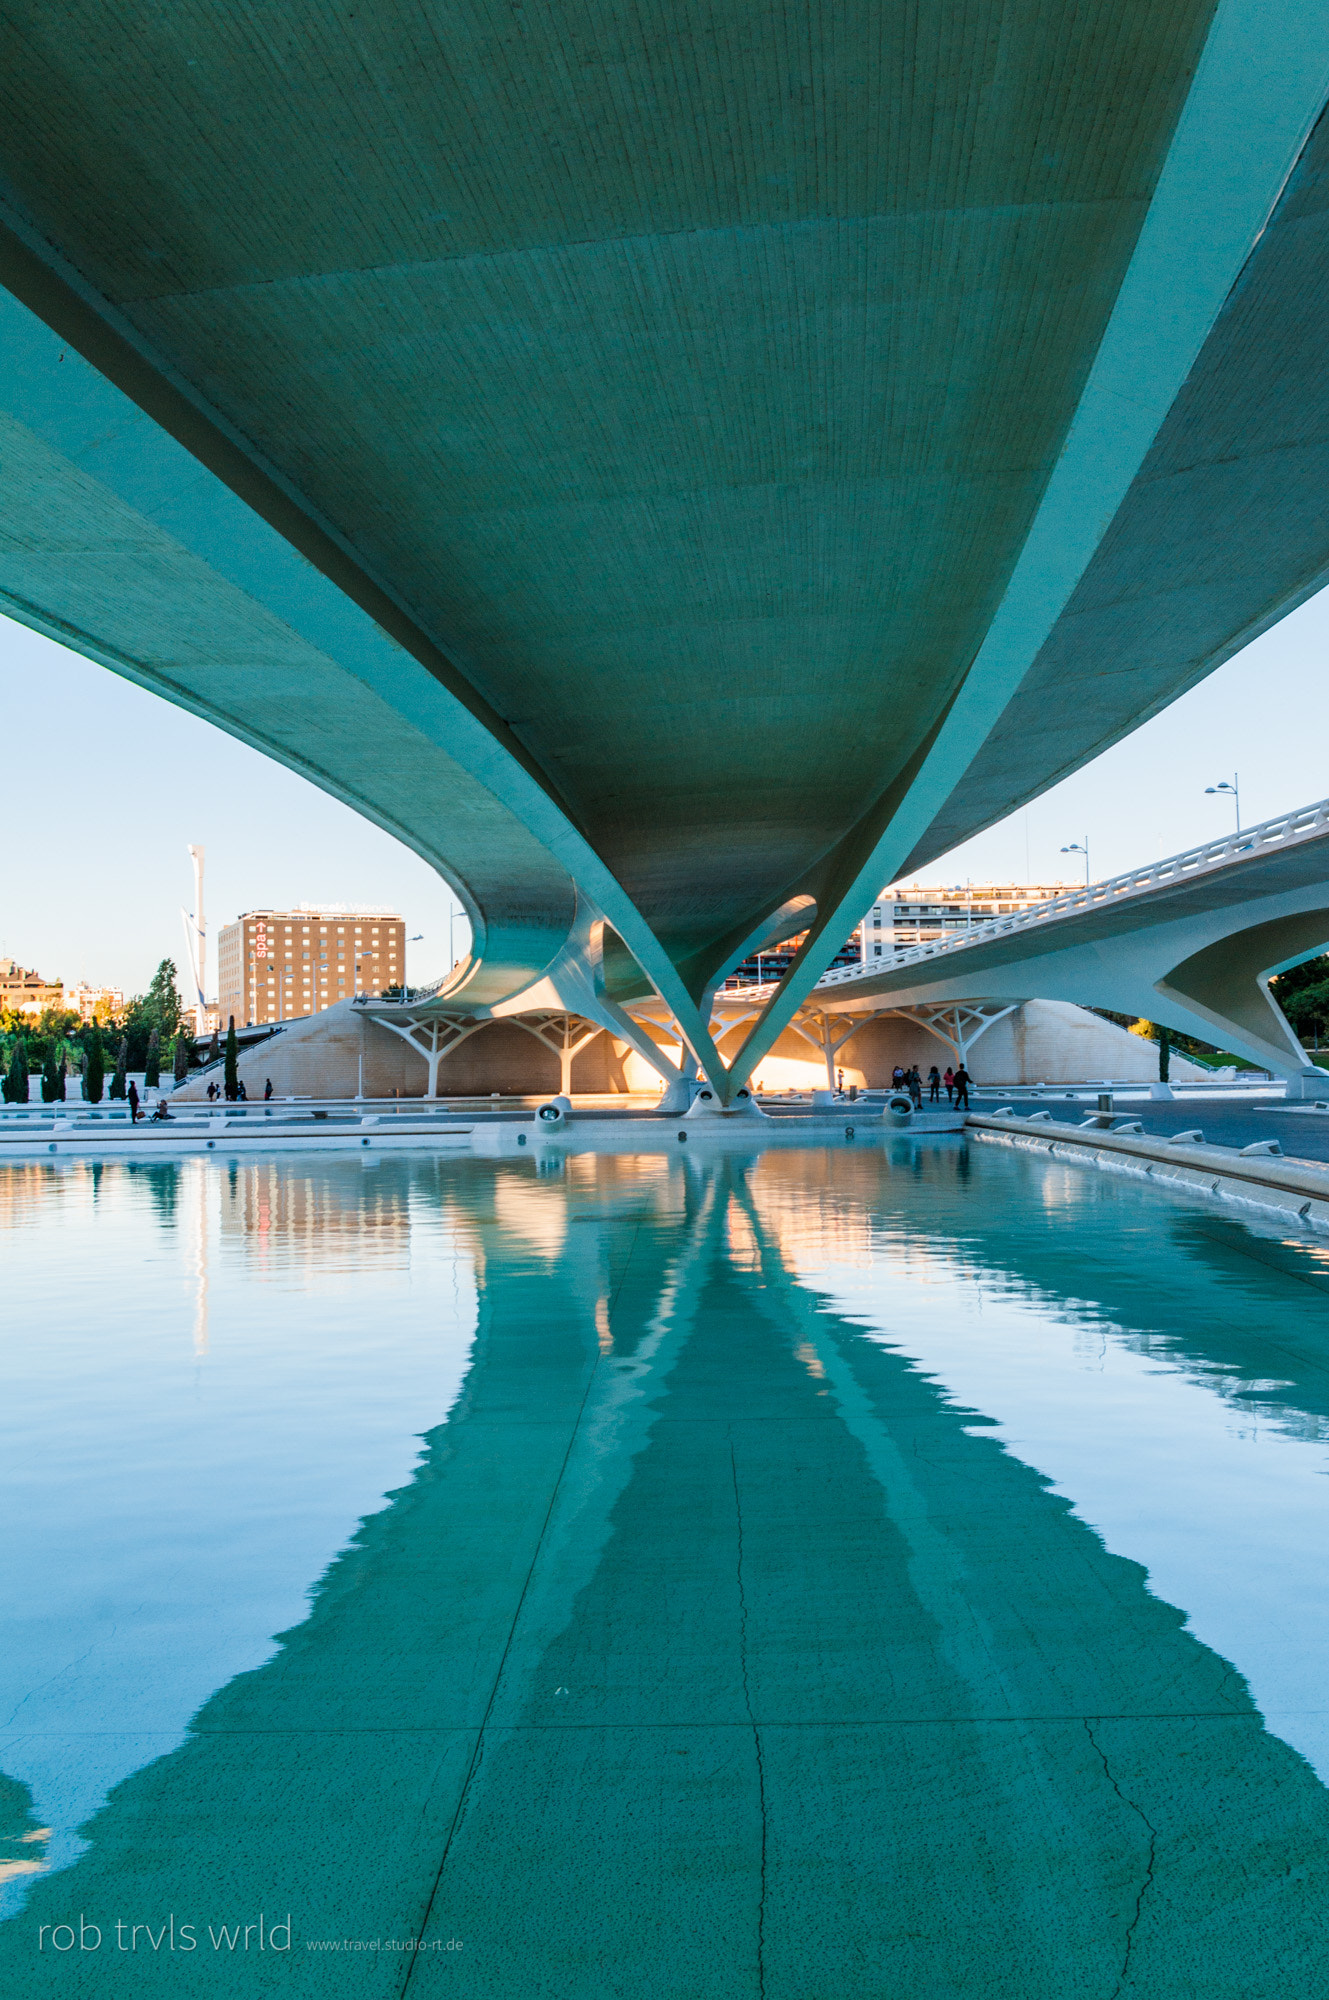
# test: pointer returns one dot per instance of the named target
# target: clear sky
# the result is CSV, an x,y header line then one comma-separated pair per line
x,y
106,786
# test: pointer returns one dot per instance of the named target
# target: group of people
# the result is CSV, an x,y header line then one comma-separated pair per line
x,y
955,1082
215,1091
160,1113
241,1094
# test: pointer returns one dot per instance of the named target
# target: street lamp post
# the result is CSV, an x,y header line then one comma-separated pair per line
x,y
1080,847
1224,786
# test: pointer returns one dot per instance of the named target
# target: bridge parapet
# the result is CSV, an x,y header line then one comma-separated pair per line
x,y
1286,830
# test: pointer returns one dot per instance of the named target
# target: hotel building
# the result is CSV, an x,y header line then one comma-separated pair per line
x,y
277,965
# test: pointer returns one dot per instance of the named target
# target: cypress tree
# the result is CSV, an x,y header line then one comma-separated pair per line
x,y
94,1076
232,1074
50,1083
214,1048
61,1076
1164,1053
152,1069
16,1083
119,1082
181,1057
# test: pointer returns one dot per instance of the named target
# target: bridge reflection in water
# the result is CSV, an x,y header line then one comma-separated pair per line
x,y
719,1646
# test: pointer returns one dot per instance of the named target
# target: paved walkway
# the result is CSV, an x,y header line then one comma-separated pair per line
x,y
1227,1121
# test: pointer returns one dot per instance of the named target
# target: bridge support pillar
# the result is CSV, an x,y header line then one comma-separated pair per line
x,y
1309,1085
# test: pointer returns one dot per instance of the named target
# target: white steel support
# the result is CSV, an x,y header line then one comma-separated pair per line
x,y
566,1034
831,1043
433,1037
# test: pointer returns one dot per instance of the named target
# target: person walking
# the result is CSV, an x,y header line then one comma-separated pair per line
x,y
949,1081
914,1083
242,1095
267,1088
897,1077
962,1083
934,1085
133,1102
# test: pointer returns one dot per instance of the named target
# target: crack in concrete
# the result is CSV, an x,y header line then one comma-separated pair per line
x,y
752,1724
478,1749
1148,1878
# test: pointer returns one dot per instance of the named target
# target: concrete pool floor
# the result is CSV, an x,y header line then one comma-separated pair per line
x,y
712,1650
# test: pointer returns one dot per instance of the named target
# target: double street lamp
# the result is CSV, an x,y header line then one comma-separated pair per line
x,y
1224,786
1080,847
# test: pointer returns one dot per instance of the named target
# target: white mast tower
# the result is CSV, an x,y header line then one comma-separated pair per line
x,y
196,939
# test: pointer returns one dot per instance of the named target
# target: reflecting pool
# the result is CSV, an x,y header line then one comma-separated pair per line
x,y
895,1571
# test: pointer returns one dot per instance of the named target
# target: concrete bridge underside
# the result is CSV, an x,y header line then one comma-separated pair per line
x,y
676,473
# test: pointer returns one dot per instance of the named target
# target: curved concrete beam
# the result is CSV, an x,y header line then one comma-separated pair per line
x,y
1195,953
187,518
1227,985
1260,87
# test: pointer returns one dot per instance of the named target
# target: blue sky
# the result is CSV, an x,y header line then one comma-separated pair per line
x,y
106,786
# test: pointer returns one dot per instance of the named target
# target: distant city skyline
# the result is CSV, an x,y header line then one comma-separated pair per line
x,y
112,784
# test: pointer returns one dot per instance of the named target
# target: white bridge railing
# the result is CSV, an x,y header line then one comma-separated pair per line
x,y
1288,830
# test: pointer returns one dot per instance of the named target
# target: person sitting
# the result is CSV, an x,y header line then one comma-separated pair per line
x,y
160,1114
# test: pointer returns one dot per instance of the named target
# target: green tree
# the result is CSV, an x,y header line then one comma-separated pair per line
x,y
16,1081
152,1068
94,1076
50,1081
163,1000
61,1078
1303,994
158,1008
120,1081
1164,1053
231,1083
181,1065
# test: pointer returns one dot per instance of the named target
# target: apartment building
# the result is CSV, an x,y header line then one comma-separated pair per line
x,y
23,991
905,916
95,1003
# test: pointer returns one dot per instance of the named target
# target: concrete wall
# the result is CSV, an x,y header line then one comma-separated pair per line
x,y
1044,1041
321,1057
1054,1042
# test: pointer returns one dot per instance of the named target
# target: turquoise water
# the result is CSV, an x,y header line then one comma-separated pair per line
x,y
890,1572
